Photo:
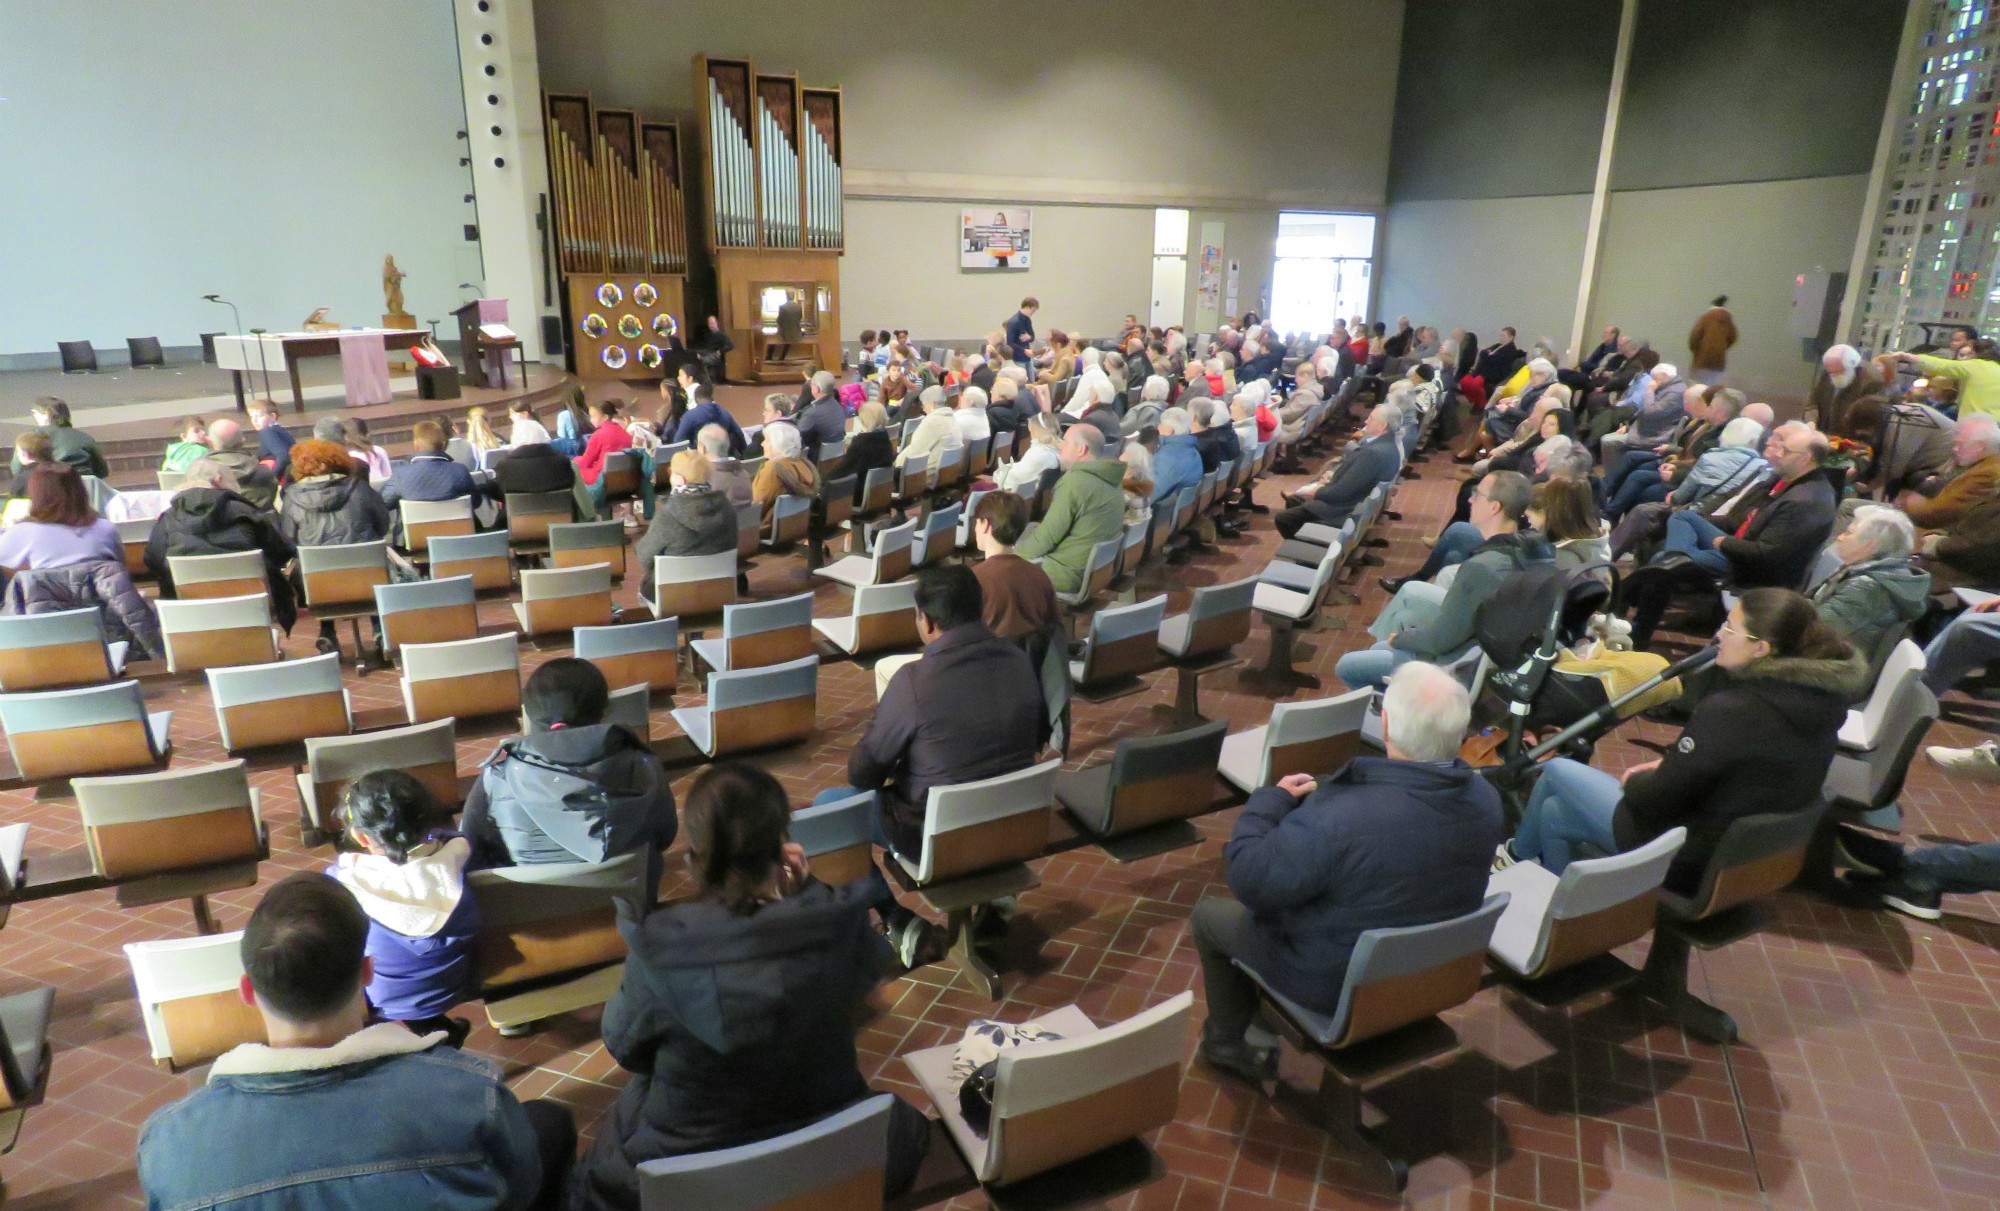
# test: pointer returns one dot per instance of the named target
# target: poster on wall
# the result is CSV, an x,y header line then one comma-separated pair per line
x,y
1208,279
990,238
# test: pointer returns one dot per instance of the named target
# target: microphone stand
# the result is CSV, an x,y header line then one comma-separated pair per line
x,y
216,298
262,360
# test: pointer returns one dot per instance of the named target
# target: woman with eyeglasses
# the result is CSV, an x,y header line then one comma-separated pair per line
x,y
1760,744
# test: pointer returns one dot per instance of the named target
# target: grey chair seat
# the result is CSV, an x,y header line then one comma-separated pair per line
x,y
1087,795
25,1018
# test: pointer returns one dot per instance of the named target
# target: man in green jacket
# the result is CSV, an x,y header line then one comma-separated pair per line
x,y
1087,508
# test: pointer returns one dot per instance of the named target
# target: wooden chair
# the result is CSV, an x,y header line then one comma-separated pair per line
x,y
1756,856
340,582
576,544
216,632
439,610
749,531
92,730
633,653
530,514
1123,642
1302,738
549,943
1059,1102
25,1056
427,752
838,838
630,705
621,477
424,520
878,491
463,679
887,562
174,835
236,574
759,633
556,599
1204,639
754,708
133,537
950,469
936,537
913,478
1386,1024
884,617
260,705
692,586
62,648
189,998
791,521
1557,923
487,558
963,537
833,507
978,839
1097,575
836,1164
1150,782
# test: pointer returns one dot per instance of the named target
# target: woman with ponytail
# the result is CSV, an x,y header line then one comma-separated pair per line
x,y
738,1008
409,876
1759,744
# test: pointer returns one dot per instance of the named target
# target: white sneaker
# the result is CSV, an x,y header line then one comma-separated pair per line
x,y
1981,764
1503,857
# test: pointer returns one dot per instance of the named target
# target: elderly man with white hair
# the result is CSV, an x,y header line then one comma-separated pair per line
x,y
1146,412
1315,861
1844,377
1087,508
1347,482
1975,450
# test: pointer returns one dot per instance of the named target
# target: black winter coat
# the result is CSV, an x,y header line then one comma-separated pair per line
x,y
1763,744
866,451
735,1028
327,510
1380,844
686,523
1785,534
211,521
538,467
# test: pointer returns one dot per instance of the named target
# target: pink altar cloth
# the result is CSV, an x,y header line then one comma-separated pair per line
x,y
364,368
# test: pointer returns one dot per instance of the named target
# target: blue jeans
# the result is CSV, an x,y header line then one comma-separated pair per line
x,y
1690,534
1628,462
1572,804
1641,486
1458,540
1370,666
1971,640
1957,869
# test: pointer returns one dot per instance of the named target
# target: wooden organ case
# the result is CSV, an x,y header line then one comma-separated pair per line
x,y
772,216
621,238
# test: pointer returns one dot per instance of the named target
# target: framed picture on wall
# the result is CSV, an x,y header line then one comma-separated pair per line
x,y
995,237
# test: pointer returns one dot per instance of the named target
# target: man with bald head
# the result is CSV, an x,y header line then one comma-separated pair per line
x,y
1385,842
255,482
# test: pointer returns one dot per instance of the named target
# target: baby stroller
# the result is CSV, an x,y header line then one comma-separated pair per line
x,y
1525,628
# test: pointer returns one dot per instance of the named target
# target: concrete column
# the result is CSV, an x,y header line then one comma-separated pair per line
x,y
1593,235
505,140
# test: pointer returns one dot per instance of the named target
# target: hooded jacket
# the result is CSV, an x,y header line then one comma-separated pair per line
x,y
383,1118
1491,563
103,583
422,926
1380,844
1176,465
328,510
211,521
1865,601
1087,507
1762,744
698,522
735,1028
575,794
1718,470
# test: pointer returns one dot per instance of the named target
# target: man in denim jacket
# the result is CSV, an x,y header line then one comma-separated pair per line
x,y
337,1113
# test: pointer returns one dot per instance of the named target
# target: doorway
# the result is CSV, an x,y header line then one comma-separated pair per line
x,y
1170,235
1323,272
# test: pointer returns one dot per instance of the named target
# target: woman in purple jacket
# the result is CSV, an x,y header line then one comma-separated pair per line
x,y
422,920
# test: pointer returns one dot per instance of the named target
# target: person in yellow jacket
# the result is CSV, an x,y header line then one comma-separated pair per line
x,y
1977,376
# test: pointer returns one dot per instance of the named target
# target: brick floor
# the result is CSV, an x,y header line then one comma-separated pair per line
x,y
1868,1074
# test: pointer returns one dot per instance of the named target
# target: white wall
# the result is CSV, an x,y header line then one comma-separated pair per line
x,y
1092,264
1667,252
270,151
1478,264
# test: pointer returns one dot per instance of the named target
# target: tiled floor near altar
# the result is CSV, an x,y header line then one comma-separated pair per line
x,y
1868,1074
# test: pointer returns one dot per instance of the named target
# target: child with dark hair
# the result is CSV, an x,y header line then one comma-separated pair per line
x,y
409,878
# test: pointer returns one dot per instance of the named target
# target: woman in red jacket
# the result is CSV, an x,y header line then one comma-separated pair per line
x,y
609,436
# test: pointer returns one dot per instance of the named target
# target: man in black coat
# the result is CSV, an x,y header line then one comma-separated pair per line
x,y
1497,362
1315,861
822,421
207,517
1347,483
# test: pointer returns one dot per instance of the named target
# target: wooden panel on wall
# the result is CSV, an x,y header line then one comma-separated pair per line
x,y
598,327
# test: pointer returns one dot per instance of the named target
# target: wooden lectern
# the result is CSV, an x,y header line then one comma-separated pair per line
x,y
485,357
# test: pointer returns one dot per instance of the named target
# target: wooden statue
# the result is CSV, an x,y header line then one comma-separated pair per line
x,y
392,285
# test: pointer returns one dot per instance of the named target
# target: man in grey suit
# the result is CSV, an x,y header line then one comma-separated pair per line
x,y
1347,483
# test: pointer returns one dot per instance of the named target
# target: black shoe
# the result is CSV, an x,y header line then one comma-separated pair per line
x,y
1899,895
1239,1059
1393,585
1867,853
